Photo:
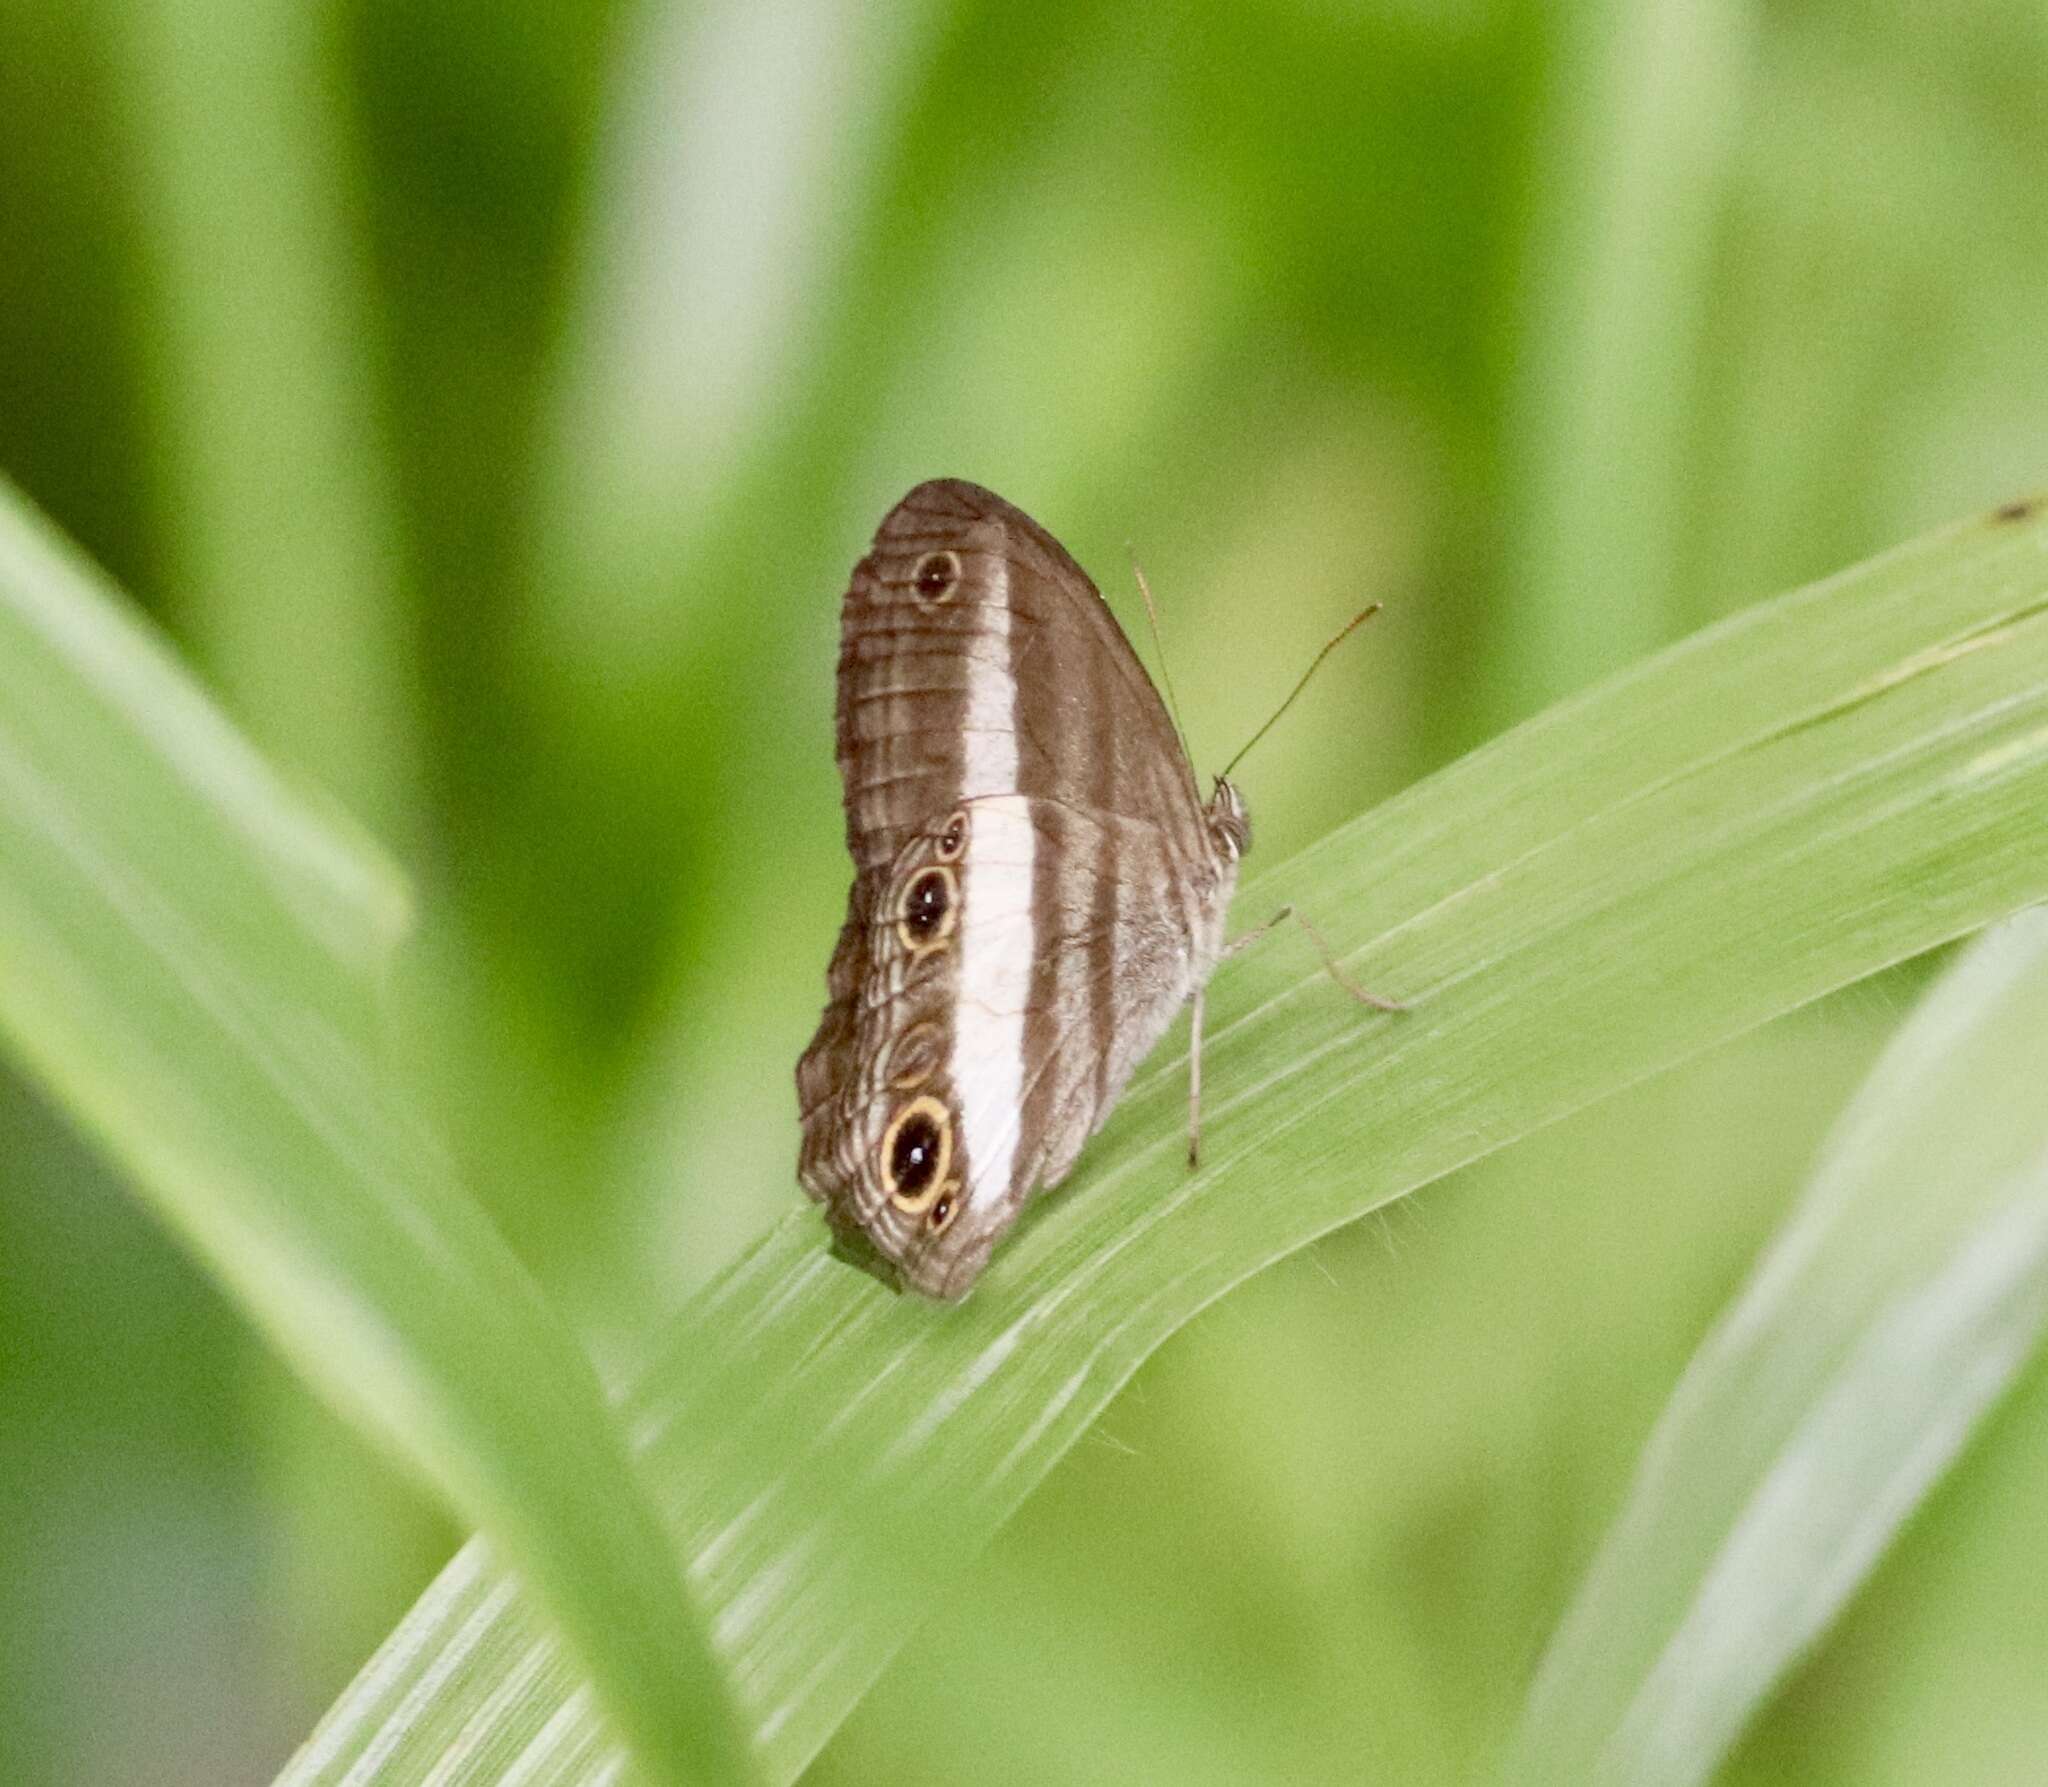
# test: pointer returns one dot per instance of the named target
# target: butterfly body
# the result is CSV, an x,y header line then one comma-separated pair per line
x,y
1038,885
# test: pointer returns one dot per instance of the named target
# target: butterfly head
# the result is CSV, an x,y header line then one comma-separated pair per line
x,y
1229,824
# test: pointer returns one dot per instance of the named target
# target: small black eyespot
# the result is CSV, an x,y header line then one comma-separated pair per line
x,y
942,1212
914,1154
925,904
954,838
935,575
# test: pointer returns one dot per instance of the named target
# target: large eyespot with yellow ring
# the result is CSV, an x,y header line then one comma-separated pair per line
x,y
928,909
937,576
944,1208
952,844
917,1148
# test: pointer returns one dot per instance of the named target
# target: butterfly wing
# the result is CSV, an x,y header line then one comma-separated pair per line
x,y
1035,888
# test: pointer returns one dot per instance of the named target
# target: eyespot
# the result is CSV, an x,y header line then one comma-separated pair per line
x,y
944,1208
936,575
953,840
926,911
917,1149
915,1058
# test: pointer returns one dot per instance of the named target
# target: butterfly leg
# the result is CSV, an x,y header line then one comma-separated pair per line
x,y
1378,1001
1195,1085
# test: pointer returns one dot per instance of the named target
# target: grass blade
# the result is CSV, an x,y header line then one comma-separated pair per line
x,y
276,495
274,509
1891,1313
1792,800
1640,120
743,140
187,960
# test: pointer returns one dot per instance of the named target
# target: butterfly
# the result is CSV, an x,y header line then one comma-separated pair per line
x,y
1039,887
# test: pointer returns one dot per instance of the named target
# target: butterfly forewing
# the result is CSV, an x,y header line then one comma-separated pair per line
x,y
1035,892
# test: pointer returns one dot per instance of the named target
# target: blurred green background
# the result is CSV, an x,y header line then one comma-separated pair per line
x,y
491,400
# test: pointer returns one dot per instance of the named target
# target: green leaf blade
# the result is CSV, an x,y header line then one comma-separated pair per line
x,y
1791,801
188,961
1891,1313
278,511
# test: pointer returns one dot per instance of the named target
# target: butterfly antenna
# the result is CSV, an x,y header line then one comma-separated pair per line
x,y
1159,650
1343,633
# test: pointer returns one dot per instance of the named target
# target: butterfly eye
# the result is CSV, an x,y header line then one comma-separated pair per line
x,y
935,576
925,914
953,840
916,1151
942,1212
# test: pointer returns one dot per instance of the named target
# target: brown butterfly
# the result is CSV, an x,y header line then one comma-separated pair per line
x,y
1038,886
